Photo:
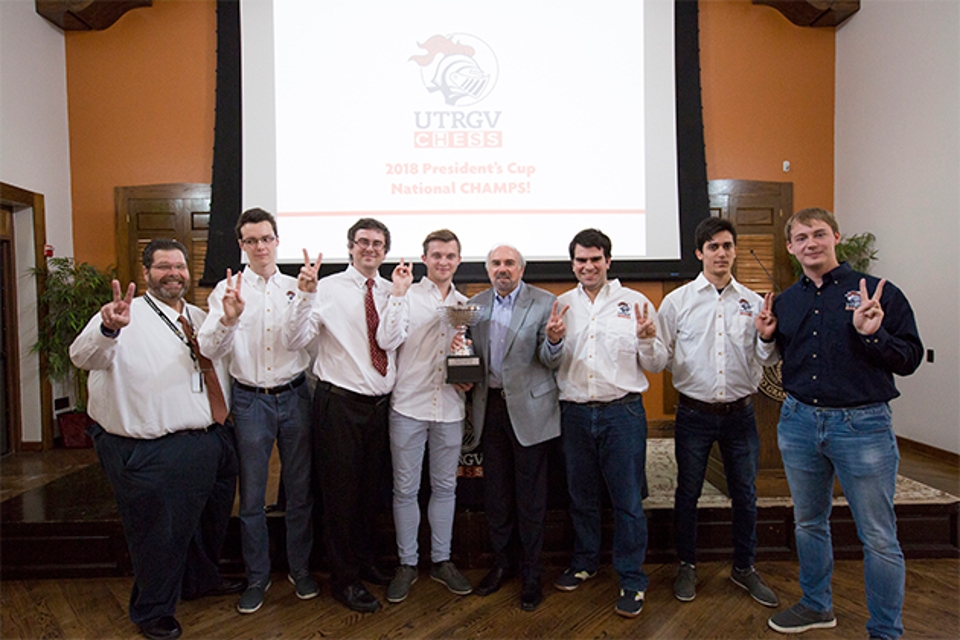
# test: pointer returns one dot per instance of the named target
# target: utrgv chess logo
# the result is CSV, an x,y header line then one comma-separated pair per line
x,y
460,66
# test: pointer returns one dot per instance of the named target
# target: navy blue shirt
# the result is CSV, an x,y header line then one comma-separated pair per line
x,y
825,361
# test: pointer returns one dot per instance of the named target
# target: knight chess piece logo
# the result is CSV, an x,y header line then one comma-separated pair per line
x,y
462,67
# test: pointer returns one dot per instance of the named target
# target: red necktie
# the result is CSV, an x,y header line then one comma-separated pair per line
x,y
377,355
218,406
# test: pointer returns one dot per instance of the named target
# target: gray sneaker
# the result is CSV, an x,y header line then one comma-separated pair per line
x,y
750,580
799,618
305,586
399,587
252,598
570,579
685,586
445,572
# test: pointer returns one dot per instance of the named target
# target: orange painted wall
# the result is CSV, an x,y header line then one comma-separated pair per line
x,y
141,109
768,96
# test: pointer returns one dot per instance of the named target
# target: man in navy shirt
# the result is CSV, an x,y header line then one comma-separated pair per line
x,y
842,335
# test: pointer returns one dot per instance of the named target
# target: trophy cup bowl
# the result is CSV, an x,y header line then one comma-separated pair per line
x,y
463,366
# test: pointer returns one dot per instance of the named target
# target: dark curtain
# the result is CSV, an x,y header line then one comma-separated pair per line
x,y
226,198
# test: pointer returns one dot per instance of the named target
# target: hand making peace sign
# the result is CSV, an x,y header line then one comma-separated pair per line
x,y
556,327
233,302
645,325
765,321
869,315
307,280
116,315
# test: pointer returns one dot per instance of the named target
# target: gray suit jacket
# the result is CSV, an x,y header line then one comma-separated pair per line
x,y
529,378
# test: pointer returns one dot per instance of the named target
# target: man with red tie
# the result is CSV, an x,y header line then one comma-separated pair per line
x,y
352,401
162,437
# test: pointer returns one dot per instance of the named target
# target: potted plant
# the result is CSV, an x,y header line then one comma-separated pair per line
x,y
71,293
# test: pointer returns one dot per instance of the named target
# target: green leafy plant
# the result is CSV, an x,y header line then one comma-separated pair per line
x,y
858,250
72,293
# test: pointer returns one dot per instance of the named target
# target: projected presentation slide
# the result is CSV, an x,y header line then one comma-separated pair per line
x,y
520,122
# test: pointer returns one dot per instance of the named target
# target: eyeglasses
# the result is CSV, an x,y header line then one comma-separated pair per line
x,y
366,244
169,267
252,242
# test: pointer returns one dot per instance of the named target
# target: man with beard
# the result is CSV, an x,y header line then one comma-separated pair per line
x,y
352,402
162,438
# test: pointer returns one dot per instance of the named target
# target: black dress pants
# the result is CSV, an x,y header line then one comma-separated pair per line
x,y
351,458
515,491
175,494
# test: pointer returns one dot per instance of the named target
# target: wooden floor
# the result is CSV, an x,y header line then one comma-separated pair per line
x,y
97,609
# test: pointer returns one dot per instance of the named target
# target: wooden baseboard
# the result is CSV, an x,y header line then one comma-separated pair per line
x,y
928,450
31,446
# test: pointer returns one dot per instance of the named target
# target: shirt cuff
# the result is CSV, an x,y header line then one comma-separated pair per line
x,y
107,333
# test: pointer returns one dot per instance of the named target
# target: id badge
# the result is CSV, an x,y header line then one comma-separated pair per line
x,y
196,382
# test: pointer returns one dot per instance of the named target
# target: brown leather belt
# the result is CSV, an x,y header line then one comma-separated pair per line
x,y
715,408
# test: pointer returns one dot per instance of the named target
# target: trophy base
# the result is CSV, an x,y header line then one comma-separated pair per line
x,y
464,369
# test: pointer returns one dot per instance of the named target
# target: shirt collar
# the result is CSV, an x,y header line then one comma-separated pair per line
x,y
701,283
511,298
610,288
255,278
361,280
836,274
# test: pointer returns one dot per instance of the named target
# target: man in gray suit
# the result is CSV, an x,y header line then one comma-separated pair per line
x,y
516,409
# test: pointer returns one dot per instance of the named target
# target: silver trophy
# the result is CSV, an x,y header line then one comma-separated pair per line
x,y
463,365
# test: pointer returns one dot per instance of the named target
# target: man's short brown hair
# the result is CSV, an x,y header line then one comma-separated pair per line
x,y
441,235
806,216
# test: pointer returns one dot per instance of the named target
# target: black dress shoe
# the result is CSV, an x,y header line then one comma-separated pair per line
x,y
492,582
531,596
356,597
163,628
225,588
374,575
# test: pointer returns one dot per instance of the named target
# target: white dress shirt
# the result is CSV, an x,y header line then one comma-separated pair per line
x,y
143,382
602,356
336,313
711,345
421,391
254,345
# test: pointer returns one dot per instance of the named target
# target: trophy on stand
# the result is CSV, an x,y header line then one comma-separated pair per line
x,y
463,365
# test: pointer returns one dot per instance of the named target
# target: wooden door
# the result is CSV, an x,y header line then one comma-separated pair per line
x,y
180,211
759,209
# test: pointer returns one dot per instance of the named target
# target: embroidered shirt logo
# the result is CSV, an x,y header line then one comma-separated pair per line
x,y
853,300
623,310
746,309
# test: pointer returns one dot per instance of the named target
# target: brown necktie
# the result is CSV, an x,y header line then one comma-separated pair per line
x,y
377,355
218,406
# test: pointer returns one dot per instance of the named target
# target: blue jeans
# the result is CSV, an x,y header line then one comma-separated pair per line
x,y
736,434
858,446
260,421
607,444
408,440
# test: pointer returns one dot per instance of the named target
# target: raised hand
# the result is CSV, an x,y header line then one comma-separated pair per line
x,y
868,317
116,315
646,328
402,278
556,327
233,303
309,274
765,321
